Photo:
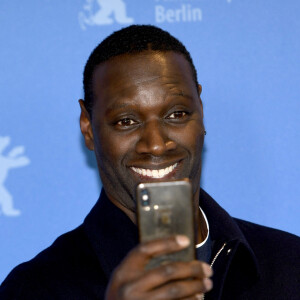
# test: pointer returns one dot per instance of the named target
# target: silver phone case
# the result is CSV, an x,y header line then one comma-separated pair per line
x,y
166,209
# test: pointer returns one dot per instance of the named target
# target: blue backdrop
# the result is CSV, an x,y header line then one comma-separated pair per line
x,y
247,57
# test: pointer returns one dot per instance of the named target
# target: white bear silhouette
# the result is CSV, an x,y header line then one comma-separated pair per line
x,y
103,16
11,160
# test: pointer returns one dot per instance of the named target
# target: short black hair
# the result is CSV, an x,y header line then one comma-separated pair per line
x,y
131,40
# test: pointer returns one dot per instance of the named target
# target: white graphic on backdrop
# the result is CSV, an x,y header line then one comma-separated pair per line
x,y
102,14
14,159
178,11
183,13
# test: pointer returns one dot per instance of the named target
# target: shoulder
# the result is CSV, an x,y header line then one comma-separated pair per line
x,y
63,252
271,245
68,261
271,236
277,256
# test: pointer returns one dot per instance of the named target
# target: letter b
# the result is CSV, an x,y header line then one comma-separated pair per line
x,y
159,14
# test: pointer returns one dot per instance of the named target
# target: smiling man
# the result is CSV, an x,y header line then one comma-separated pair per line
x,y
142,116
145,123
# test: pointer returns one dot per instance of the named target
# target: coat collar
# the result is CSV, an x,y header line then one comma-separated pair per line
x,y
112,235
237,255
222,226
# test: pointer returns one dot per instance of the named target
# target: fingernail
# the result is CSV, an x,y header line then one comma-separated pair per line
x,y
182,240
207,270
199,296
207,283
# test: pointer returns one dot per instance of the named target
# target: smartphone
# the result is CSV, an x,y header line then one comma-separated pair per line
x,y
165,209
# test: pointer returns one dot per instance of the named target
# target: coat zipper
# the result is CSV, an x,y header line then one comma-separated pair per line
x,y
213,261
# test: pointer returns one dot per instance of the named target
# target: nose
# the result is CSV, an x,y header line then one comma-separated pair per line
x,y
154,140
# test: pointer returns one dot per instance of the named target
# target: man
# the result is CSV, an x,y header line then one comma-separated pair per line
x,y
142,116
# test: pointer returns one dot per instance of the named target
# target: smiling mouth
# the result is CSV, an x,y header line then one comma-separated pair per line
x,y
159,173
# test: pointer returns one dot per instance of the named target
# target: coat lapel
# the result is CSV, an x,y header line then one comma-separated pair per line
x,y
111,233
236,266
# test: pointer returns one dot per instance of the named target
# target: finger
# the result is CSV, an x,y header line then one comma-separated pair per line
x,y
195,297
172,272
140,255
181,290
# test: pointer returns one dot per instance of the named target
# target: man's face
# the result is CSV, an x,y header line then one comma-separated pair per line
x,y
147,123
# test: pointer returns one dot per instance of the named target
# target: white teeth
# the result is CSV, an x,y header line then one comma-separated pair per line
x,y
161,173
154,173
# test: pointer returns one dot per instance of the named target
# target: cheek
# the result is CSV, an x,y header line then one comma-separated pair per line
x,y
190,137
114,147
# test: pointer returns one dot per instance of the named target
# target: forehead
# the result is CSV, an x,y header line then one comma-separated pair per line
x,y
141,67
133,76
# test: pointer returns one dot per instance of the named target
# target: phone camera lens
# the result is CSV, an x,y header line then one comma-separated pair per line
x,y
145,197
145,203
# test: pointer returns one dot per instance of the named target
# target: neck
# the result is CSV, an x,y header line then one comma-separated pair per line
x,y
201,229
200,224
130,214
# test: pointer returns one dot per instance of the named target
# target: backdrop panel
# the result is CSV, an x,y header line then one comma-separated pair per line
x,y
247,57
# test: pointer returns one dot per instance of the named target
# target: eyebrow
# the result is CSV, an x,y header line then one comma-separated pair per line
x,y
177,91
116,106
181,93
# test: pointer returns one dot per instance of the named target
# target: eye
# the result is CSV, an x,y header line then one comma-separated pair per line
x,y
126,122
177,115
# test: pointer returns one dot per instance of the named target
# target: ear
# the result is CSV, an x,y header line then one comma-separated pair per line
x,y
199,89
86,126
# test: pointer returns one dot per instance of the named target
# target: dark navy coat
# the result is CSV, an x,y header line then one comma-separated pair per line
x,y
256,262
